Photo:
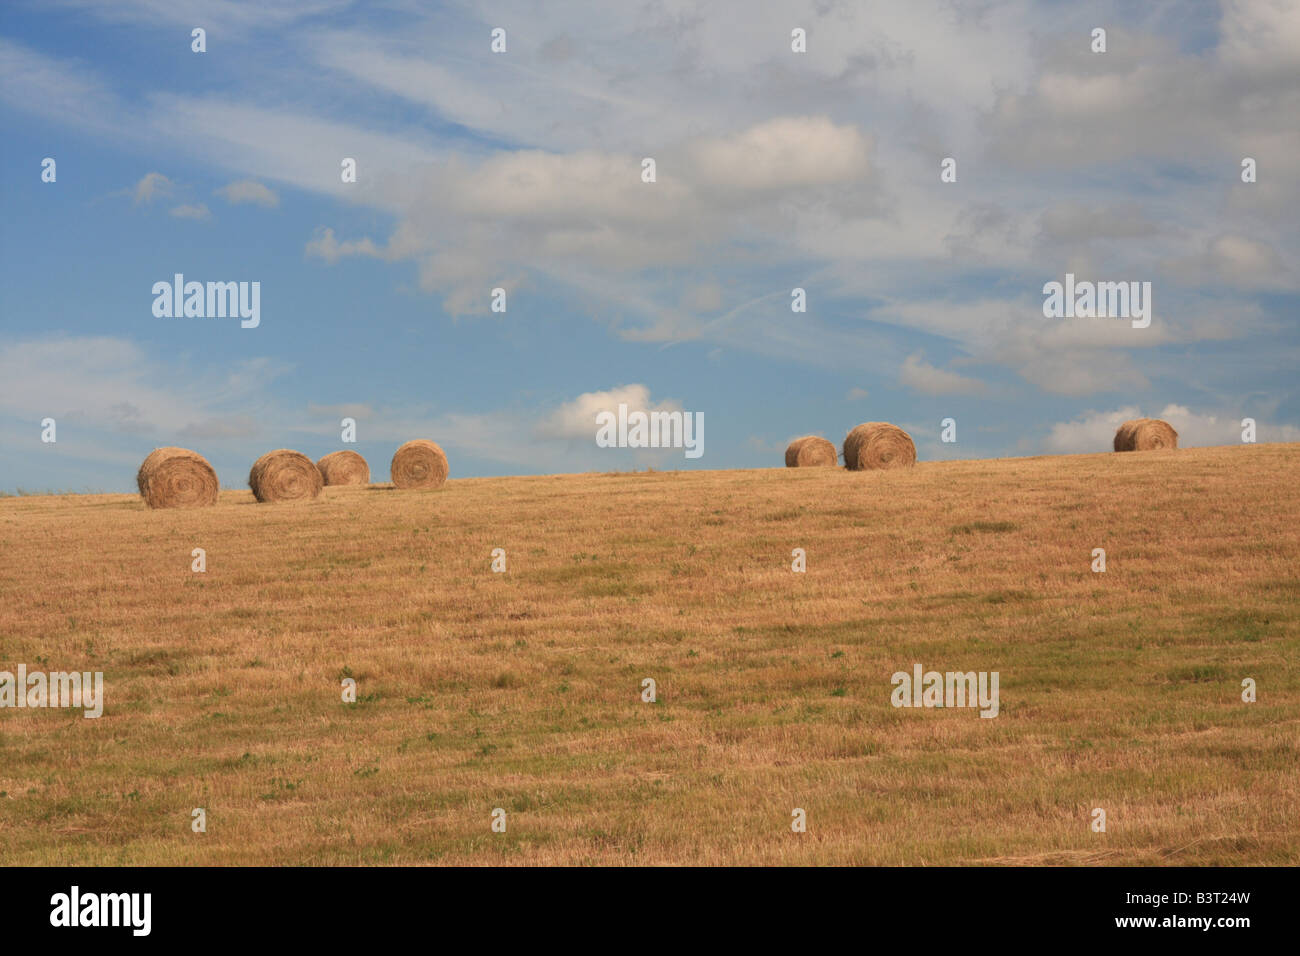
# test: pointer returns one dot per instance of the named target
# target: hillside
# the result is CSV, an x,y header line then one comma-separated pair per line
x,y
522,690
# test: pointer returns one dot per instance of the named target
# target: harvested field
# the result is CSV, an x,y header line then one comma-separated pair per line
x,y
522,690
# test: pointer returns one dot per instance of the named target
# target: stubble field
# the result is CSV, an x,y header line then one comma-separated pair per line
x,y
522,690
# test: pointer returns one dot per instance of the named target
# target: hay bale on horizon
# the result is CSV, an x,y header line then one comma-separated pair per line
x,y
1145,434
1124,435
285,475
419,464
811,451
874,445
344,468
173,477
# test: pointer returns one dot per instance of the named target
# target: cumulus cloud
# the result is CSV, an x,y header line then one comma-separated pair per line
x,y
1237,261
1082,108
786,152
497,169
589,211
1221,428
1090,432
557,439
1261,35
324,245
1079,222
151,185
577,418
249,191
1094,431
199,211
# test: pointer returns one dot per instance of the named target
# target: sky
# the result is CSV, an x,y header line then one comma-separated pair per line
x,y
523,170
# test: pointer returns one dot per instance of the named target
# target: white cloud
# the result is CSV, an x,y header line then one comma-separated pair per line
x,y
1080,222
579,75
1261,35
1237,261
223,17
1095,431
842,143
1069,356
200,211
919,375
59,88
249,191
786,152
703,298
288,146
558,440
150,186
324,246
1221,428
1081,372
577,419
464,222
1090,432
112,384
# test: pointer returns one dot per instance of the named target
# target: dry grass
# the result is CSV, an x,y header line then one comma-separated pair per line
x,y
521,690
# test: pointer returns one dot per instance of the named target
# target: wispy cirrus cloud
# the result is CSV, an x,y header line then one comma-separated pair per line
x,y
921,376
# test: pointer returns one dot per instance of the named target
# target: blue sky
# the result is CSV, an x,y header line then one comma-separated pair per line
x,y
775,169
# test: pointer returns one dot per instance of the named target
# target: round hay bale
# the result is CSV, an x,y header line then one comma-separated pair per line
x,y
285,475
419,464
344,468
1145,434
811,451
176,478
878,445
